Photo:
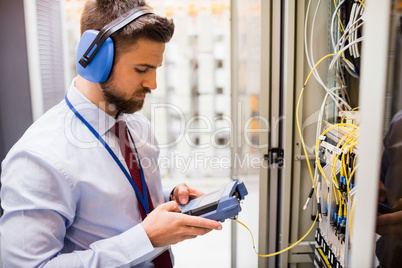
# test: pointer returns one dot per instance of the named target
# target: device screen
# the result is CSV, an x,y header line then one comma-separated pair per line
x,y
209,198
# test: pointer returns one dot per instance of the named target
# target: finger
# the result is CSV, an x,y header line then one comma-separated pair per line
x,y
182,193
391,218
382,192
398,206
195,221
170,206
383,220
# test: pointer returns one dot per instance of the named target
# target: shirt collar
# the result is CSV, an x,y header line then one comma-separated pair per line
x,y
96,117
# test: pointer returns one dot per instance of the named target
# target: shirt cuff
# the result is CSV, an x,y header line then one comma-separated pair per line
x,y
137,233
147,250
144,253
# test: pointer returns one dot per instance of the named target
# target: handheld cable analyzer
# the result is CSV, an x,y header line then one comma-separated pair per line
x,y
218,205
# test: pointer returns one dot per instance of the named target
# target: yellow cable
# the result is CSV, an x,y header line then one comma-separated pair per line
x,y
345,211
333,173
356,108
350,150
318,143
343,164
351,142
362,3
308,164
351,221
298,123
354,161
283,250
335,158
340,211
348,180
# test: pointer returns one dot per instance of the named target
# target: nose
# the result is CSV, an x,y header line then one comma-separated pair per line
x,y
150,81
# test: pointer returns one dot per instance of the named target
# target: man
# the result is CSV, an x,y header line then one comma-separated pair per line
x,y
67,194
389,225
389,222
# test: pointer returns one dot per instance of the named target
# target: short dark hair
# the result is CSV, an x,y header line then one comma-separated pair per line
x,y
98,13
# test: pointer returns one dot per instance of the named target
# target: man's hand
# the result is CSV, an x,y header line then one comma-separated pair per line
x,y
166,227
382,193
391,224
182,194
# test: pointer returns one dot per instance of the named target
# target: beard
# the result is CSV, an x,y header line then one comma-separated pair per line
x,y
129,106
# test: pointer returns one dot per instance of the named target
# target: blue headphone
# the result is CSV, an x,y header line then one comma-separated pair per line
x,y
95,51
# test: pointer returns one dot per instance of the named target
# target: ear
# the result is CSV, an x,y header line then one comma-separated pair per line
x,y
99,68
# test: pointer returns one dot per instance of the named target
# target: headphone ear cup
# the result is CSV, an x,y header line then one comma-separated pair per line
x,y
99,68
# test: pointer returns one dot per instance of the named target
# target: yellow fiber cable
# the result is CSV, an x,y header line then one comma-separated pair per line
x,y
354,161
334,160
297,118
351,221
340,211
318,142
351,142
348,180
362,3
283,250
345,210
336,156
308,164
343,164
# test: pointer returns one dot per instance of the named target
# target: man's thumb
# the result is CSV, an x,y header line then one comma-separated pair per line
x,y
171,206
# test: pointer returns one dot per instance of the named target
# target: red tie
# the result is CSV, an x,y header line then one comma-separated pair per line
x,y
120,130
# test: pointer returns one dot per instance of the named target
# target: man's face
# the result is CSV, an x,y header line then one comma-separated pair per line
x,y
133,76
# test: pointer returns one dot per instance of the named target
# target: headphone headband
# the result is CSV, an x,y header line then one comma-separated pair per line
x,y
109,29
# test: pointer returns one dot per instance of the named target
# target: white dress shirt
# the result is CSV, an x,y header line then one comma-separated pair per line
x,y
66,201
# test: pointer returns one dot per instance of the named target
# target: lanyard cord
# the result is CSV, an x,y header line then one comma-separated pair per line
x,y
143,199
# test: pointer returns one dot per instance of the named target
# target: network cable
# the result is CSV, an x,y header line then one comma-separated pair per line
x,y
283,250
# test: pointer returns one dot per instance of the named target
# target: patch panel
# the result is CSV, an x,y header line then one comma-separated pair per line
x,y
337,152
